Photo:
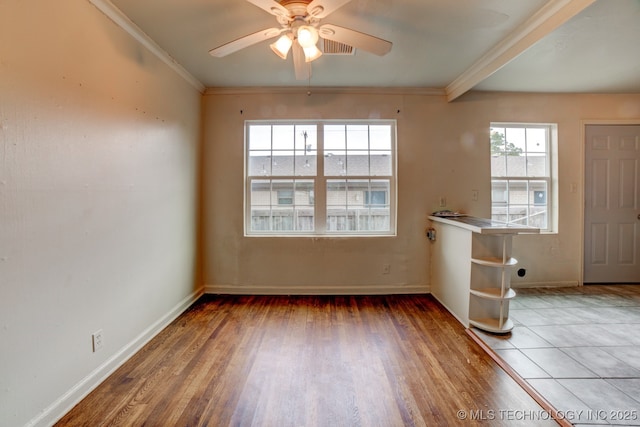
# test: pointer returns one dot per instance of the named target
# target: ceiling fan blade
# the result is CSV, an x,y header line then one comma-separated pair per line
x,y
322,8
271,6
245,41
301,67
356,39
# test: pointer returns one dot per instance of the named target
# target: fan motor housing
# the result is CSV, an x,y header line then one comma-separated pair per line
x,y
296,7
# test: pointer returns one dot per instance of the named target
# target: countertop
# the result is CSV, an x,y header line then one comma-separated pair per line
x,y
483,225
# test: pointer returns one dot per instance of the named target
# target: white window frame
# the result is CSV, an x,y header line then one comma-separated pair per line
x,y
550,179
319,192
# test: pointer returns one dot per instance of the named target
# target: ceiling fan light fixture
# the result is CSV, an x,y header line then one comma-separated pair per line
x,y
311,53
307,36
281,46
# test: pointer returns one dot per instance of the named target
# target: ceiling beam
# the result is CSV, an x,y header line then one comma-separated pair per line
x,y
123,21
552,15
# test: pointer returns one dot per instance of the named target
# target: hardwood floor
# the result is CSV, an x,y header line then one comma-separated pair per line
x,y
310,361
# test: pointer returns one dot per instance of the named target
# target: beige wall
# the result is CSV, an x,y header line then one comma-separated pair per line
x,y
99,143
442,151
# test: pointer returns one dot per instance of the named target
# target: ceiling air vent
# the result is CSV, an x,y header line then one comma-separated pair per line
x,y
330,47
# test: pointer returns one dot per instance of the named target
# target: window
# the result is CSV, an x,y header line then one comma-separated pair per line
x,y
375,197
521,174
320,178
285,197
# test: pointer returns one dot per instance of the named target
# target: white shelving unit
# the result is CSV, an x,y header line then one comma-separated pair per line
x,y
471,266
490,282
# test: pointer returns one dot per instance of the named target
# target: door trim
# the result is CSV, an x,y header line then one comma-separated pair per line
x,y
583,135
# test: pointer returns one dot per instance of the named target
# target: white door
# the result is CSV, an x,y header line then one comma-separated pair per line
x,y
612,205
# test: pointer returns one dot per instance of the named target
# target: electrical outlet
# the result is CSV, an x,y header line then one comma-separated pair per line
x,y
573,187
386,268
474,195
97,341
443,201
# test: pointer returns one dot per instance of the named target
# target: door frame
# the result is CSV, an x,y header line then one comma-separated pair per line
x,y
583,153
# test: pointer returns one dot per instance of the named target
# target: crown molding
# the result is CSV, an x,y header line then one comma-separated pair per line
x,y
347,90
553,14
123,21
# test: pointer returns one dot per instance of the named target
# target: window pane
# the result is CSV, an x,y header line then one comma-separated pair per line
x,y
282,193
378,220
260,192
334,138
261,205
260,137
538,193
340,195
357,163
304,193
283,138
517,192
537,165
283,219
306,163
356,191
282,164
339,220
306,150
306,137
375,198
518,214
379,193
282,152
538,217
498,165
380,162
498,192
516,165
377,215
259,163
499,213
380,137
497,141
336,192
536,140
304,201
334,163
304,219
358,137
515,140
285,197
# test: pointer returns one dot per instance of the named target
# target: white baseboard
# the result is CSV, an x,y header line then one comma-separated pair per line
x,y
316,289
463,321
565,284
67,401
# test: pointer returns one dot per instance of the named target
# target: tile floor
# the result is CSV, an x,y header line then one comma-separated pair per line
x,y
579,348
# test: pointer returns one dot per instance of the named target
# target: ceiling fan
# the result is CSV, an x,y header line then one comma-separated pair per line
x,y
300,31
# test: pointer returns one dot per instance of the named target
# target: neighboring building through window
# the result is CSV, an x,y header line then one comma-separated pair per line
x,y
285,197
320,178
522,174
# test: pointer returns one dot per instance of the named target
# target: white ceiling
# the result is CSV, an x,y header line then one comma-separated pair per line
x,y
451,45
